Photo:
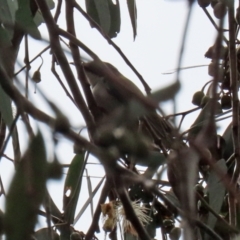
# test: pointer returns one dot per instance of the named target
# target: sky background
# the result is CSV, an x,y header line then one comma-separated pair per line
x,y
155,51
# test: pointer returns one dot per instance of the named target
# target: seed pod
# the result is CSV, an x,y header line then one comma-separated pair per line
x,y
212,52
197,98
204,3
168,224
36,76
175,233
204,101
75,236
213,3
226,102
219,10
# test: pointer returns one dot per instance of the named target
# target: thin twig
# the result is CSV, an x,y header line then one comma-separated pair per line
x,y
38,55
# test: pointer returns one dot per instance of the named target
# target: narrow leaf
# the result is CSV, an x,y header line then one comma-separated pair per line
x,y
24,19
228,148
28,187
106,14
200,122
7,12
5,107
216,191
38,19
132,9
72,186
103,14
115,18
167,93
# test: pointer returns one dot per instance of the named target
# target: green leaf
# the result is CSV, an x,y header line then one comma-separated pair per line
x,y
24,19
5,107
115,18
228,148
103,14
38,19
7,13
46,234
200,122
167,93
26,192
106,14
216,191
132,9
72,187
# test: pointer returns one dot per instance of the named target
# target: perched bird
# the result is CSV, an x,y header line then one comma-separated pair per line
x,y
110,97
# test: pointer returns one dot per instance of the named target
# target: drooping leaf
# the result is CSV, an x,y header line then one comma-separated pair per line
x,y
216,190
7,13
200,122
228,148
115,18
103,14
45,234
106,14
72,186
24,19
28,187
5,107
167,93
38,19
132,9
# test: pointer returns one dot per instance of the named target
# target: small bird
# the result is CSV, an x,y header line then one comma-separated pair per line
x,y
109,97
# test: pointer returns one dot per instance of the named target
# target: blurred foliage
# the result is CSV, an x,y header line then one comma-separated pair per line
x,y
135,144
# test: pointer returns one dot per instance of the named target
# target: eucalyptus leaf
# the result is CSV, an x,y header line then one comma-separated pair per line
x,y
200,122
6,108
106,14
228,148
216,190
28,187
24,19
167,93
132,9
72,186
103,10
7,15
38,19
115,18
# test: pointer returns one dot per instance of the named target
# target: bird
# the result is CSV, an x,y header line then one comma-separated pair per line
x,y
110,97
